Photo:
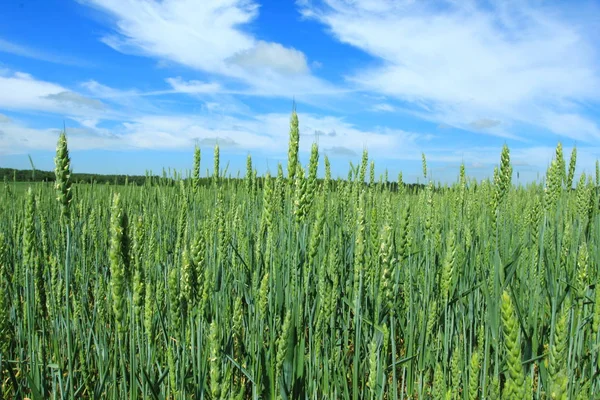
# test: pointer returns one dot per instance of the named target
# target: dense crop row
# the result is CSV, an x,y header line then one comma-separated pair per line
x,y
291,287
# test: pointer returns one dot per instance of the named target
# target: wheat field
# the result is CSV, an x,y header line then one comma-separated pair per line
x,y
290,286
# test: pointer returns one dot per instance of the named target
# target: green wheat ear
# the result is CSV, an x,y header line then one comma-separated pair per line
x,y
117,261
515,380
214,342
293,146
364,162
400,183
196,170
506,171
188,282
448,268
439,384
596,316
553,186
373,363
149,308
138,273
494,388
249,174
62,173
311,183
572,163
327,180
557,365
456,363
581,279
282,342
263,296
216,164
29,245
560,160
474,369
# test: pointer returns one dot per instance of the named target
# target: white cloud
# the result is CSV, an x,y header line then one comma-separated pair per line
x,y
90,101
383,107
209,36
462,61
268,134
126,103
264,133
16,138
226,142
484,123
537,157
88,123
341,151
4,119
21,91
97,89
24,51
273,56
74,99
196,34
194,86
383,141
307,88
571,125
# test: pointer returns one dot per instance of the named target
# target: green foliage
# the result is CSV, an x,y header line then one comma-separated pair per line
x,y
329,289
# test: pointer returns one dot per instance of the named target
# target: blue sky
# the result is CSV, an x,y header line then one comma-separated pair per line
x,y
138,82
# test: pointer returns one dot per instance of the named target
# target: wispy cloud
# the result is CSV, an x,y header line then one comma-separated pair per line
x,y
200,35
19,138
341,151
517,62
383,107
24,51
88,101
210,36
70,99
267,133
21,91
222,142
484,123
193,87
126,103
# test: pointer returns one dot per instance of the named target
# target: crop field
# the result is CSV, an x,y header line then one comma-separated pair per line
x,y
291,287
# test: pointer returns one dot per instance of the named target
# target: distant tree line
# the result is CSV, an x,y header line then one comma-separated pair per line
x,y
24,175
28,175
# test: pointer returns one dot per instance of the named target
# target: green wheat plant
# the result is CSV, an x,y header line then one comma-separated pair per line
x,y
300,284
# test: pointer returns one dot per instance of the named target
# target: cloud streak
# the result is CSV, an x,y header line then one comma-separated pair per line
x,y
21,91
460,62
265,133
36,54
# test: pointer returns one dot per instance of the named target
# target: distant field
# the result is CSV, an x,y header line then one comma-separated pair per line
x,y
293,287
